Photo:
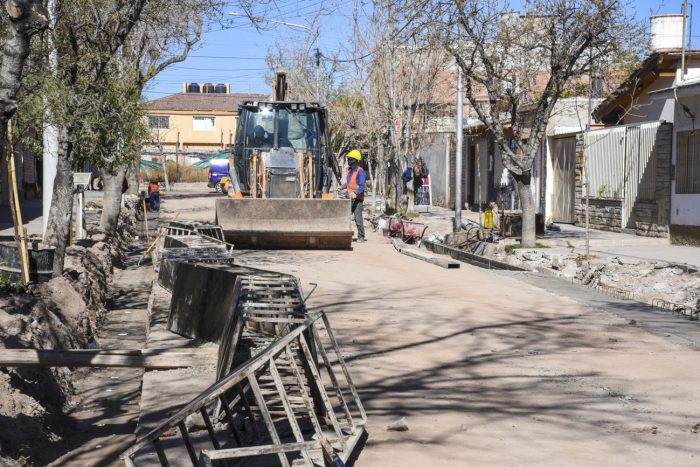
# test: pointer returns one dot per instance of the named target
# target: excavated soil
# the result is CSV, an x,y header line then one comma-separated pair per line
x,y
63,313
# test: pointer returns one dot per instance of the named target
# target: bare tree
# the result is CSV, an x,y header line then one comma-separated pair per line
x,y
521,65
23,19
87,36
395,73
165,35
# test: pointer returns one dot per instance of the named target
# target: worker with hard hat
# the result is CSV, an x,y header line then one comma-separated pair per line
x,y
356,190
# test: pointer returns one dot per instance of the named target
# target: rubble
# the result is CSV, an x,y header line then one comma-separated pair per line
x,y
399,425
644,280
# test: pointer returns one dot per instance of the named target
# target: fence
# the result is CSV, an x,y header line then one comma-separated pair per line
x,y
620,163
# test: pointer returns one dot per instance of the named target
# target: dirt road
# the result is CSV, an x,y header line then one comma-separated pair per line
x,y
489,370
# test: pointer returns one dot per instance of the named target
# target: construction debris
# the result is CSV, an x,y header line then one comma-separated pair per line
x,y
152,359
399,425
271,399
414,252
257,399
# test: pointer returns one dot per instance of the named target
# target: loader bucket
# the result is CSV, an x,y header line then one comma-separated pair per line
x,y
278,223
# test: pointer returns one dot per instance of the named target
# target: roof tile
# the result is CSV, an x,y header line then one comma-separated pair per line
x,y
203,102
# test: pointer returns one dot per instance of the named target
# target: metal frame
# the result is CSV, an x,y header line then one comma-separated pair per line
x,y
334,436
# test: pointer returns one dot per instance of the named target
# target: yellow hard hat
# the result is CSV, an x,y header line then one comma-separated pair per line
x,y
354,154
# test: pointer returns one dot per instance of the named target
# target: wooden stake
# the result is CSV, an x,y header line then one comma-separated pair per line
x,y
20,233
145,219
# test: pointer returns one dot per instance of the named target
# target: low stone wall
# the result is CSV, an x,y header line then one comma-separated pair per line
x,y
646,216
651,216
604,214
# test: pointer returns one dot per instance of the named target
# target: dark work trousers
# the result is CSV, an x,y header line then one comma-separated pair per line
x,y
357,212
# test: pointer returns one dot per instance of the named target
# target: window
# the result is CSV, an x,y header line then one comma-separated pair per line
x,y
688,163
204,123
158,122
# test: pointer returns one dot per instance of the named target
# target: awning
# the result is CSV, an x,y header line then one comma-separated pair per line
x,y
151,165
206,163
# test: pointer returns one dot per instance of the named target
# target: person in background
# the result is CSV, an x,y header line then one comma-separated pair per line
x,y
355,186
153,195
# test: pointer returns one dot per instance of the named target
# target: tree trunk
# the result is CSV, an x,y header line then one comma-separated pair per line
x,y
527,205
133,175
111,200
61,212
24,18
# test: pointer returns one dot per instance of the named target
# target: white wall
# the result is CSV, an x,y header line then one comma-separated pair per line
x,y
685,208
648,110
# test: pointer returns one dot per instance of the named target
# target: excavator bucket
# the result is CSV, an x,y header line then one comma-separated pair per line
x,y
278,223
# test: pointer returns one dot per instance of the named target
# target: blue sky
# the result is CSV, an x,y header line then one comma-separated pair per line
x,y
236,54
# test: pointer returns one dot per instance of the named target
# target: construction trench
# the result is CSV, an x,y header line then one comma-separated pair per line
x,y
266,381
454,366
282,392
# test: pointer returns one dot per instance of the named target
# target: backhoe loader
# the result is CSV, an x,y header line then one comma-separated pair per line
x,y
282,169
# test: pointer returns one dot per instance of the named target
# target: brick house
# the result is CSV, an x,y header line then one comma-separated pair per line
x,y
197,122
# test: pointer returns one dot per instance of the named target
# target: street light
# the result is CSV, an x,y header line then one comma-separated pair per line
x,y
296,26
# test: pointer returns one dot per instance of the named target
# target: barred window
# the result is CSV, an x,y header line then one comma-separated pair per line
x,y
688,162
158,122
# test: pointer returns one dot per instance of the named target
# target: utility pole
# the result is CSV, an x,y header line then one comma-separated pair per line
x,y
585,172
318,74
685,26
458,156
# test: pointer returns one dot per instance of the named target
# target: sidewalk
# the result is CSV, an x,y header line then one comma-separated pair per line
x,y
623,245
572,238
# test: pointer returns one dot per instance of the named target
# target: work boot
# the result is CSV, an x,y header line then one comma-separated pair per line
x,y
361,240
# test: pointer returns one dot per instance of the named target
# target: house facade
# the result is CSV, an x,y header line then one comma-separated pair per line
x,y
650,134
684,218
198,122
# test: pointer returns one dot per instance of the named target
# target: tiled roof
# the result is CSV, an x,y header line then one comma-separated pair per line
x,y
203,102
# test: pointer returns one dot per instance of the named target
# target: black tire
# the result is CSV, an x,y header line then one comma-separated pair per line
x,y
219,188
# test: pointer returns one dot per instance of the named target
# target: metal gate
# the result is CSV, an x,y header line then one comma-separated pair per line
x,y
621,164
564,168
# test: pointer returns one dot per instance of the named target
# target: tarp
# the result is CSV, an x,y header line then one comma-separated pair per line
x,y
151,165
204,164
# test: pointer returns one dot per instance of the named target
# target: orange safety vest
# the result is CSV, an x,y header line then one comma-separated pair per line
x,y
353,185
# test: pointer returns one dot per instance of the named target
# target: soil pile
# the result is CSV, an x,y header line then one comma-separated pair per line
x,y
60,314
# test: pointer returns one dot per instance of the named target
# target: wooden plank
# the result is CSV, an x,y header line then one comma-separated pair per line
x,y
258,319
138,358
188,443
229,418
161,453
331,374
320,436
210,428
267,417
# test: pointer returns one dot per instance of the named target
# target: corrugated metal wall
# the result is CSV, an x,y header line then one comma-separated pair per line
x,y
620,163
